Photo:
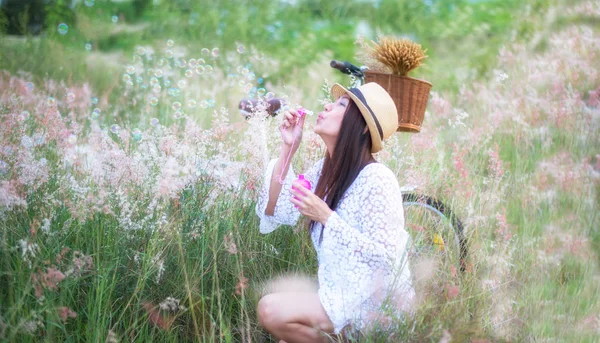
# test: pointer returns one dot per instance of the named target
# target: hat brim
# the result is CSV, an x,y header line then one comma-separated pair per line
x,y
338,90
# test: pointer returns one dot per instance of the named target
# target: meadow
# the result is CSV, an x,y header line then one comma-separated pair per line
x,y
128,179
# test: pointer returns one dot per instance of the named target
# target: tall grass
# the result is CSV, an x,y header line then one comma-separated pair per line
x,y
111,234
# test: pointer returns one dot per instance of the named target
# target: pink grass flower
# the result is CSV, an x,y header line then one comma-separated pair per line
x,y
229,243
452,291
241,285
65,313
48,280
156,318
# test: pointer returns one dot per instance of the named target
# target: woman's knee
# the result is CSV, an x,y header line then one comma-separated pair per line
x,y
267,311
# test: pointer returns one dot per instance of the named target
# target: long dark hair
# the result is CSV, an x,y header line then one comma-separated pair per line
x,y
351,153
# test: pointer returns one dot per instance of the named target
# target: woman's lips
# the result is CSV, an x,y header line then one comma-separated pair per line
x,y
319,117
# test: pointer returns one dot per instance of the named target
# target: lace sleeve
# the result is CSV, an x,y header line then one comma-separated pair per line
x,y
285,212
359,262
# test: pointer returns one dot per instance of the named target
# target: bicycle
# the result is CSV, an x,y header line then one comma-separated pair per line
x,y
437,233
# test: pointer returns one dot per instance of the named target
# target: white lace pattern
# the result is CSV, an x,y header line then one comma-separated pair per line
x,y
362,253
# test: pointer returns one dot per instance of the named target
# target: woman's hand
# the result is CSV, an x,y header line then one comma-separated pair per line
x,y
309,204
291,128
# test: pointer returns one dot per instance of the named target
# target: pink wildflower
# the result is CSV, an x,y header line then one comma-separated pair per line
x,y
503,227
241,285
495,163
459,163
230,244
452,291
48,280
156,318
65,313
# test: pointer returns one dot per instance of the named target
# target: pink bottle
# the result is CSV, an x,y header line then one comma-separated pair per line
x,y
304,182
301,112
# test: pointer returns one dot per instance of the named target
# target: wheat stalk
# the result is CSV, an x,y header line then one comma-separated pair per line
x,y
399,56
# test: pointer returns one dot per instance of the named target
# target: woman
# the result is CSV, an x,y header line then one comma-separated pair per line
x,y
357,230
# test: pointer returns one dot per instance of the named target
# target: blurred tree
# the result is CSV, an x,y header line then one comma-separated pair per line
x,y
23,16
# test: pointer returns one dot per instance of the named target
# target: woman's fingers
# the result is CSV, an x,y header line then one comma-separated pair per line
x,y
299,188
288,115
296,202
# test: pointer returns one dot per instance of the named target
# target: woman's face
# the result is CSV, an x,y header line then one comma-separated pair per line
x,y
330,120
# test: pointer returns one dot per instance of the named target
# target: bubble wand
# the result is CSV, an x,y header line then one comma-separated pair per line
x,y
301,112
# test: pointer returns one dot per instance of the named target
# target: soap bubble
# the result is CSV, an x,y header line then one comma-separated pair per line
x,y
126,78
94,100
261,91
269,96
26,141
3,167
200,61
96,113
114,19
89,3
170,43
200,70
244,71
241,83
63,28
251,76
39,139
211,102
158,73
24,115
248,88
156,88
259,56
140,50
176,106
178,114
70,97
115,129
50,101
130,70
72,139
30,86
167,83
153,81
181,83
193,63
181,63
189,73
139,79
260,80
153,101
205,51
154,122
136,134
209,68
203,103
88,46
168,53
241,49
191,103
174,92
215,52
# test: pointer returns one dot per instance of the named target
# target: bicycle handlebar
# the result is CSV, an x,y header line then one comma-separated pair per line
x,y
347,68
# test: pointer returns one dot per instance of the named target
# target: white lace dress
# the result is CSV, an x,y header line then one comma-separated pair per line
x,y
362,255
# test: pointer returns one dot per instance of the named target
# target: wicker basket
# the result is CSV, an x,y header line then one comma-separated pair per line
x,y
410,96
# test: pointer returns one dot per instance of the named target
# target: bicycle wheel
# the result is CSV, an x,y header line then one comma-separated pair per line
x,y
436,232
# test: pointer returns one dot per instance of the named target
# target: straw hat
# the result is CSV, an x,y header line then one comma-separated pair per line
x,y
376,106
